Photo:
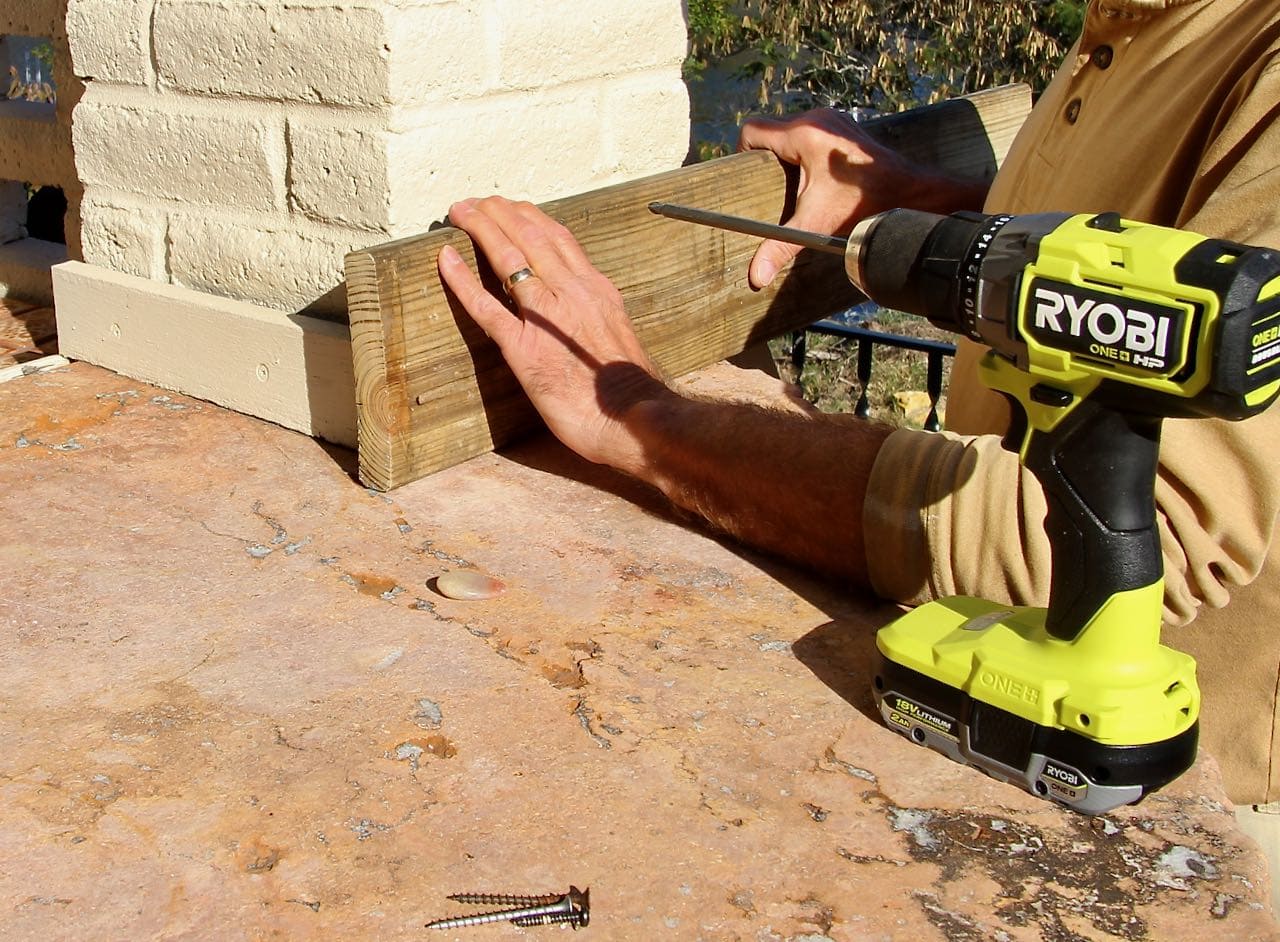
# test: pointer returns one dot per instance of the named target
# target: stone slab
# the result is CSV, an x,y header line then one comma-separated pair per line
x,y
235,708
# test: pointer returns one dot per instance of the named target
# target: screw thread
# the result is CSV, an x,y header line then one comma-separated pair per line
x,y
458,922
505,899
560,906
573,907
576,919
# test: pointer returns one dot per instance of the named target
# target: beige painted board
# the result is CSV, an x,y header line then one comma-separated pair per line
x,y
433,390
288,368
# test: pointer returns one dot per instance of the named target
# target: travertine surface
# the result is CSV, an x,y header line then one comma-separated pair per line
x,y
234,708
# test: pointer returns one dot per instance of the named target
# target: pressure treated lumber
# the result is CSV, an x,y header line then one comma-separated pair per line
x,y
432,390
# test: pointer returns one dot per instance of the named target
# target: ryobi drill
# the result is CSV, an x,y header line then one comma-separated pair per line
x,y
1098,329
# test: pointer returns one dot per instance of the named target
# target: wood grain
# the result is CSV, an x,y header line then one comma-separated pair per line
x,y
432,390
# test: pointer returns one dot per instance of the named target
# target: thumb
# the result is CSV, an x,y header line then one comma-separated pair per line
x,y
770,257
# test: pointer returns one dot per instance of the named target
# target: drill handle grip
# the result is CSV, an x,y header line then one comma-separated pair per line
x,y
1097,466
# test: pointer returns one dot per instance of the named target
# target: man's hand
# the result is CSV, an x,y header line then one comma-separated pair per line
x,y
845,176
569,340
840,176
787,481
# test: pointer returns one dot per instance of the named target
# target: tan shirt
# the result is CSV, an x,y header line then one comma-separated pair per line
x,y
1167,112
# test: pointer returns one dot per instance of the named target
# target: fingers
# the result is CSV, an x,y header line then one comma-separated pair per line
x,y
494,318
539,260
491,224
543,238
573,348
832,157
773,134
514,235
489,235
819,208
793,137
790,139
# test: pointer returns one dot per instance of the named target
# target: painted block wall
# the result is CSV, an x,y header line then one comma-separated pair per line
x,y
243,147
35,147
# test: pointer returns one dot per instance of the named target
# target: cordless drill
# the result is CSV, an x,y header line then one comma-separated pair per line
x,y
1098,328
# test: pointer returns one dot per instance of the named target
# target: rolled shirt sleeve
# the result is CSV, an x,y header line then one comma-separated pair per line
x,y
955,513
959,515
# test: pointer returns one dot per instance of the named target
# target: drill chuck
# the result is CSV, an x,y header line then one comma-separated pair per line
x,y
961,272
885,259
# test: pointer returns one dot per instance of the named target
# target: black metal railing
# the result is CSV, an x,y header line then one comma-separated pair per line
x,y
851,324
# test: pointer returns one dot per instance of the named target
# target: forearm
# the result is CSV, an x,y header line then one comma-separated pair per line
x,y
787,483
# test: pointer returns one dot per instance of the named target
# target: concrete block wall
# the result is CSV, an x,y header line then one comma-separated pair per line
x,y
242,147
36,148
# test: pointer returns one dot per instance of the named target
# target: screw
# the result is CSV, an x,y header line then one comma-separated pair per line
x,y
574,919
573,907
505,899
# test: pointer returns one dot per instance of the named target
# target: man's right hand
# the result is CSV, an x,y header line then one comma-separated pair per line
x,y
844,176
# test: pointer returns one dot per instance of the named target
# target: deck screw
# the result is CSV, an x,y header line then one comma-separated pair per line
x,y
574,919
573,907
505,899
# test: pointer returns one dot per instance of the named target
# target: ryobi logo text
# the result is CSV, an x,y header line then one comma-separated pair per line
x,y
1063,781
1105,327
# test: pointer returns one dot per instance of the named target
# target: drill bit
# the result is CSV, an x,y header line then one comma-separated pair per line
x,y
835,245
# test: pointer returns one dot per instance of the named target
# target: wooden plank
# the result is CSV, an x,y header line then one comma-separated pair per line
x,y
432,390
289,368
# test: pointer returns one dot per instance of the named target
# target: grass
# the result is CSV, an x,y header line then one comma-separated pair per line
x,y
896,392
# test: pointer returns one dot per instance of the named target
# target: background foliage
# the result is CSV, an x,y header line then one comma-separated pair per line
x,y
886,55
42,88
777,56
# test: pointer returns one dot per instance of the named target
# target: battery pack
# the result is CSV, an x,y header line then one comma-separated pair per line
x,y
1058,764
1094,722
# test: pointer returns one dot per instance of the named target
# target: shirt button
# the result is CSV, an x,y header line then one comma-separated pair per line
x,y
1073,110
1102,57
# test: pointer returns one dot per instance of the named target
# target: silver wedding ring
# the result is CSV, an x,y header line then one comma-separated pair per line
x,y
516,277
